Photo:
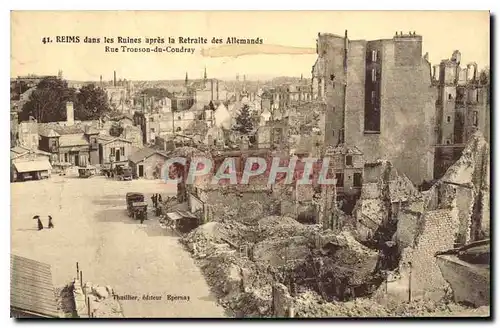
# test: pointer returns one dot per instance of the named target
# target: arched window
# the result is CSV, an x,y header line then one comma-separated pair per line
x,y
178,129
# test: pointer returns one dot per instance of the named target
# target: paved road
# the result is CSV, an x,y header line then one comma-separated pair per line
x,y
92,227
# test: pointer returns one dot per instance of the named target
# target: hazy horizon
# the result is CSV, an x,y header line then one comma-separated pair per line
x,y
251,78
442,32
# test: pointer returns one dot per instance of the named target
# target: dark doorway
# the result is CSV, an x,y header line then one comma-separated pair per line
x,y
141,171
357,180
76,159
117,155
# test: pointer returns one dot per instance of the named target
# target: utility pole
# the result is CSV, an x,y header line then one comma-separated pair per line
x,y
409,282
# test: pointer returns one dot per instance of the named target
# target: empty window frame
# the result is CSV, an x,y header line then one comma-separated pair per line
x,y
348,160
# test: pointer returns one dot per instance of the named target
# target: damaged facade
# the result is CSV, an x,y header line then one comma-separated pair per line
x,y
379,98
454,212
462,108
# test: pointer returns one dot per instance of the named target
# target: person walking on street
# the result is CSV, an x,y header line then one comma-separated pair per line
x,y
153,199
159,198
51,225
40,225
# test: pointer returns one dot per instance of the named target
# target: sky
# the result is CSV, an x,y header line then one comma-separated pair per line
x,y
295,31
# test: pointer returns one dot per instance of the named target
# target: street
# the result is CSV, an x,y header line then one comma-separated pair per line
x,y
92,228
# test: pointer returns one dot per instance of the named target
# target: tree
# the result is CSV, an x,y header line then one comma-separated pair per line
x,y
92,103
17,88
244,123
48,101
157,93
116,130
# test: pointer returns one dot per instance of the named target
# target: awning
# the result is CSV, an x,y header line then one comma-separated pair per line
x,y
33,166
178,215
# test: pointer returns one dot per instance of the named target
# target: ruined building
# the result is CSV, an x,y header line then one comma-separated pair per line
x,y
379,98
462,108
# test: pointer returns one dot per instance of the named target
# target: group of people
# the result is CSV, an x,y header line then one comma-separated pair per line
x,y
40,225
156,198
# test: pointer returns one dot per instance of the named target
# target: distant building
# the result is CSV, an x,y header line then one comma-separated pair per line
x,y
29,163
148,163
28,134
462,108
68,142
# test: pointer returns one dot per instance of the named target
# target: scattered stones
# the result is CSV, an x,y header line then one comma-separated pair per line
x,y
100,292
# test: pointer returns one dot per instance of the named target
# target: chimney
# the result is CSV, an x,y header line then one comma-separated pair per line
x,y
70,120
114,78
211,89
217,89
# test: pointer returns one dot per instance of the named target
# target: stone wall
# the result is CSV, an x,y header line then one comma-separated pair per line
x,y
370,190
436,232
246,207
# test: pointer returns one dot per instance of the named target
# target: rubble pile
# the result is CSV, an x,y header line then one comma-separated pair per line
x,y
284,227
242,286
102,302
278,248
311,305
341,268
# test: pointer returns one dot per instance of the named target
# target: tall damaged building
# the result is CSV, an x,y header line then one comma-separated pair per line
x,y
379,98
462,108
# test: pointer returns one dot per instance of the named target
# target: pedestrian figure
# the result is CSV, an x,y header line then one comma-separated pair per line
x,y
40,225
142,218
153,199
51,225
159,198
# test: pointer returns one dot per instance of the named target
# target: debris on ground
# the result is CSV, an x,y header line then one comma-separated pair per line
x,y
311,305
95,300
329,273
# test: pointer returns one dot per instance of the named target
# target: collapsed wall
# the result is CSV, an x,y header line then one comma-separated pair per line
x,y
455,211
385,193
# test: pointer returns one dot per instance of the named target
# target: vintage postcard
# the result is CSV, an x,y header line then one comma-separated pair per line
x,y
250,164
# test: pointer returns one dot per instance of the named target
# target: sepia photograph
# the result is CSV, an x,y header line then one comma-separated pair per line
x,y
250,164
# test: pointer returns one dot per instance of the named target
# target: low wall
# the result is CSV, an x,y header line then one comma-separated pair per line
x,y
80,301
